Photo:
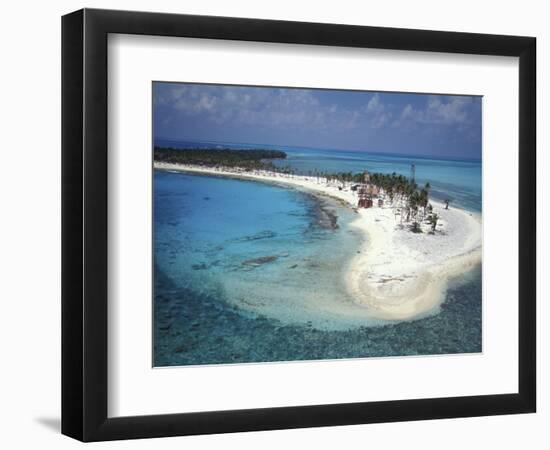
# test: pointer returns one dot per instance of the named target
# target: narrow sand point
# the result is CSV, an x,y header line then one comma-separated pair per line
x,y
400,275
397,274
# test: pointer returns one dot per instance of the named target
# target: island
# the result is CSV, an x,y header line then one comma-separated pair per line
x,y
413,245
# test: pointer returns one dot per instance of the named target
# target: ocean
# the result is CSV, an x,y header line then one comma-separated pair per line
x,y
458,180
248,272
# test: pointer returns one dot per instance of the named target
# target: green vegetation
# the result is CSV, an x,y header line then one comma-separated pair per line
x,y
410,201
415,227
252,159
432,219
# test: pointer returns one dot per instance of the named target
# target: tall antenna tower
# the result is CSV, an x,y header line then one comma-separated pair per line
x,y
413,173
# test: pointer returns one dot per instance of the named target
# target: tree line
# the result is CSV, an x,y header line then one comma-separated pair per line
x,y
412,202
409,200
247,159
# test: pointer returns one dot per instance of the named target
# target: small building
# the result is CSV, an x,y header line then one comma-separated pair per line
x,y
366,191
373,190
365,197
366,177
365,203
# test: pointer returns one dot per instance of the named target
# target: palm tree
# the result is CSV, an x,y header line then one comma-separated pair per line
x,y
415,227
423,200
434,219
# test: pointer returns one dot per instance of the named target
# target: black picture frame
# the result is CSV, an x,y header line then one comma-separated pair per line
x,y
84,224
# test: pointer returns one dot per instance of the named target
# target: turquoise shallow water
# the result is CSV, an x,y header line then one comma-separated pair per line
x,y
458,181
221,244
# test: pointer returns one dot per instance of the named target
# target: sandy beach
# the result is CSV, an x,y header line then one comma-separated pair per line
x,y
396,274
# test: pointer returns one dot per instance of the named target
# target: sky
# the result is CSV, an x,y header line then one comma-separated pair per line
x,y
417,124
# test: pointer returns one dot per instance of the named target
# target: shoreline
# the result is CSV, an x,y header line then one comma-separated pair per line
x,y
396,274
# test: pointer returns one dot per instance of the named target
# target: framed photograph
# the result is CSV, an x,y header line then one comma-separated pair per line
x,y
273,224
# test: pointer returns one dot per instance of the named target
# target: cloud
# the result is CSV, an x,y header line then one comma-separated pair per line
x,y
377,113
438,111
273,108
245,105
374,104
310,110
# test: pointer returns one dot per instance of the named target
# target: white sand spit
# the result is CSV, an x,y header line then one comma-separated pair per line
x,y
397,274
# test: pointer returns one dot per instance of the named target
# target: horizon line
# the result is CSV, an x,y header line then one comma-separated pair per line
x,y
421,155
